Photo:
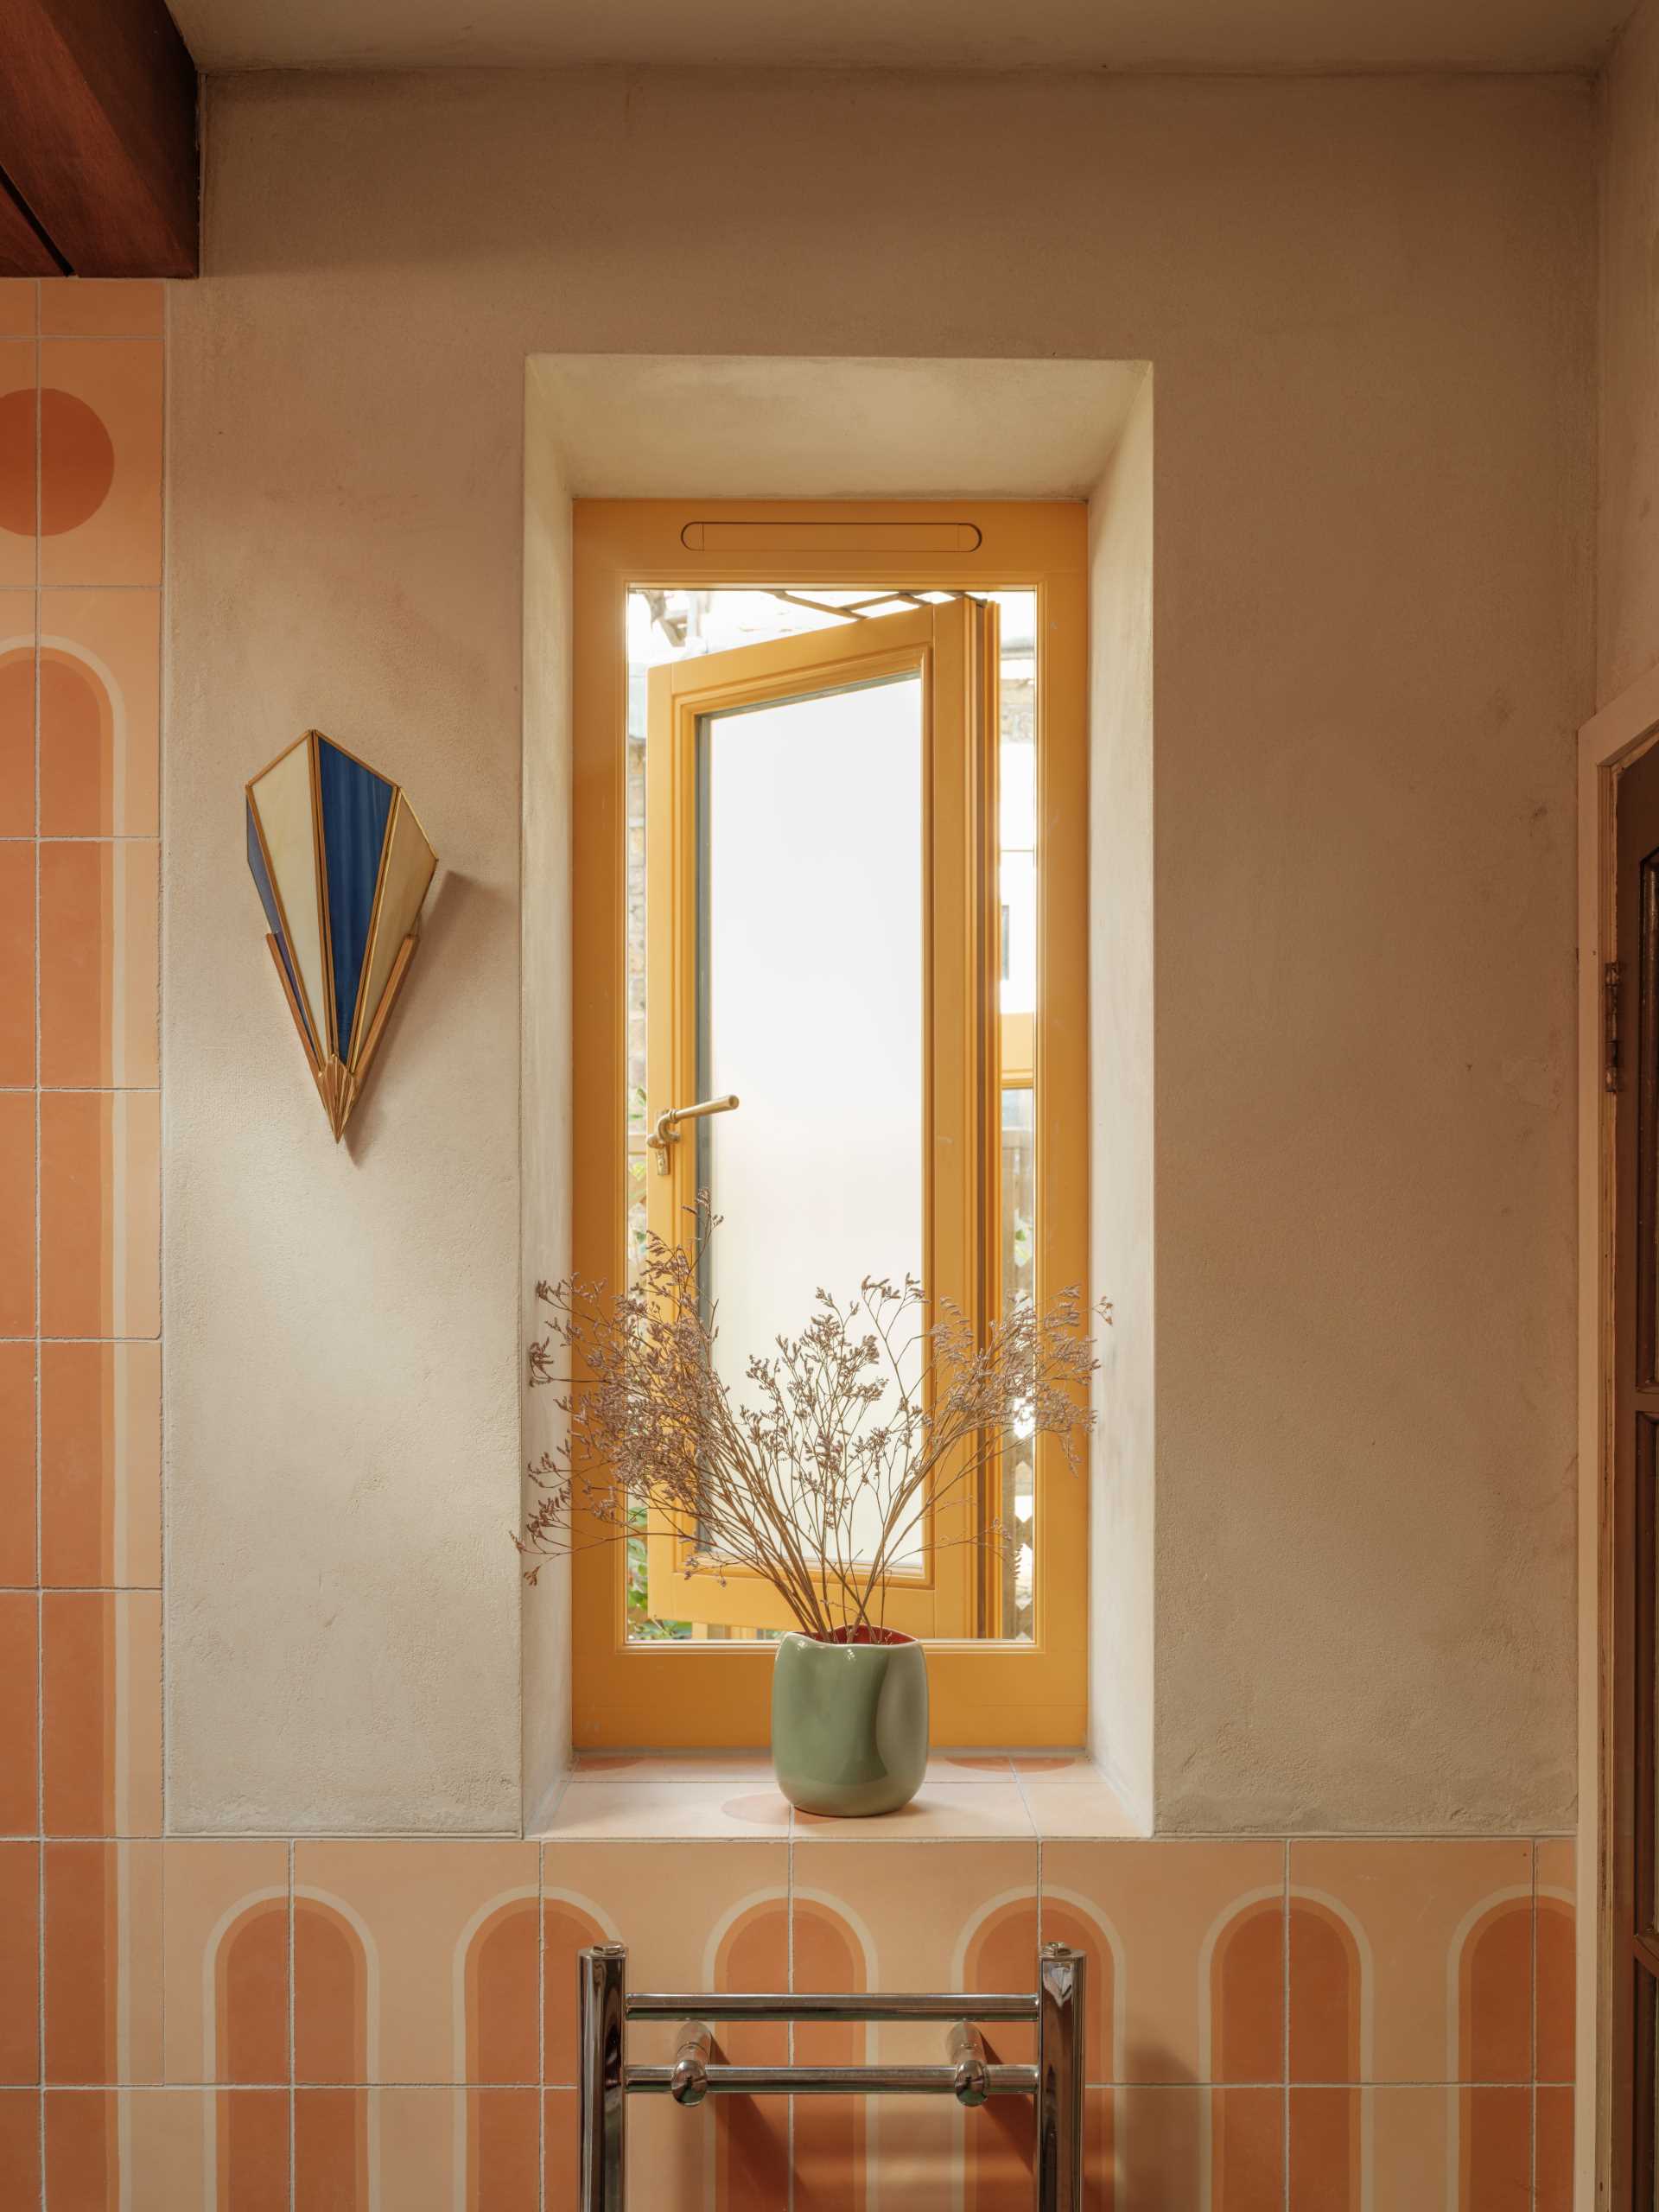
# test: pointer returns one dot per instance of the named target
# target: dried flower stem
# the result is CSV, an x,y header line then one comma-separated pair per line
x,y
869,1421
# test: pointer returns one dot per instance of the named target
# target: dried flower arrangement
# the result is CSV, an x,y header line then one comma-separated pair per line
x,y
864,1423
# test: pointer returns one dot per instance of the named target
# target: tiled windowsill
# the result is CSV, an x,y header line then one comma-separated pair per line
x,y
970,1797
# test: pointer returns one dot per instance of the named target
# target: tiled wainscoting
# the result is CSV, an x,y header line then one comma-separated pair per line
x,y
256,2024
1332,2026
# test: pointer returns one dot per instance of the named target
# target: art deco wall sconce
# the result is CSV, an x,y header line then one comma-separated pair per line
x,y
342,868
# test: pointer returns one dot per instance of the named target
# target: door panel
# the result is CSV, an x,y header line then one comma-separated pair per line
x,y
1636,1417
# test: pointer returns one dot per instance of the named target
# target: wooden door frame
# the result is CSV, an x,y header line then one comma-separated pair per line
x,y
1610,741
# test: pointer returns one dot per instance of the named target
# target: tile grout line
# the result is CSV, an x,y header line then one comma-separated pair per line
x,y
39,1555
1184,2082
1532,2066
541,2028
789,1962
1287,2025
293,2062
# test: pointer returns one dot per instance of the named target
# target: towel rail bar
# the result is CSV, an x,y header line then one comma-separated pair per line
x,y
857,2005
834,2081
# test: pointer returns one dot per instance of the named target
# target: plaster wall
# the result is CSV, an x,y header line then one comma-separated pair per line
x,y
1122,1517
544,1073
1628,549
1369,308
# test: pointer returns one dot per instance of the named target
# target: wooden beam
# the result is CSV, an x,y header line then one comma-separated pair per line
x,y
23,250
98,133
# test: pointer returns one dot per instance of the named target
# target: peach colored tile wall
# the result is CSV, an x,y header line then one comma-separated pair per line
x,y
273,2024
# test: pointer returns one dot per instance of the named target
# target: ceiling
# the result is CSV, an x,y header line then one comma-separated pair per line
x,y
1263,35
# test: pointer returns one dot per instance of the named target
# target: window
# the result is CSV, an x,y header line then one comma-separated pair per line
x,y
830,858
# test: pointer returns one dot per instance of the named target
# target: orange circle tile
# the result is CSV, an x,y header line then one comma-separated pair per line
x,y
17,462
76,462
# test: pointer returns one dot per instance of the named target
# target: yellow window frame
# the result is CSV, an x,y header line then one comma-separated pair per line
x,y
951,649
713,1694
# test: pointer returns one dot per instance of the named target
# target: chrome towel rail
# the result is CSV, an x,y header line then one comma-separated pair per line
x,y
874,2005
604,2009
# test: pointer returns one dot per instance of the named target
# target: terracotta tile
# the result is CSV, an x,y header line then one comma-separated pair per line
x,y
908,2153
1557,1966
1408,2150
83,2150
100,461
968,1766
100,1213
167,2150
494,2137
20,1634
416,1961
986,1811
161,2144
17,1546
225,1962
101,307
20,1962
590,1810
714,1918
20,2147
101,1464
1411,1961
17,963
1181,2145
103,1963
16,713
331,2150
731,2151
99,713
703,1919
1553,2150
559,2148
963,1916
1330,2148
18,445
16,1213
250,2147
432,2148
1399,2150
101,1674
673,1766
1189,1937
1099,2152
99,947
19,307
1076,1808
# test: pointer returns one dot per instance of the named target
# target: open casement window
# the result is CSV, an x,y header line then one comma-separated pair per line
x,y
811,869
824,947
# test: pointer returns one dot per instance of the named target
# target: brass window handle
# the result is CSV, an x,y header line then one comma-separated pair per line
x,y
667,1131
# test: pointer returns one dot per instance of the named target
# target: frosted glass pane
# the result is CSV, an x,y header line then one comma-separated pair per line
x,y
811,990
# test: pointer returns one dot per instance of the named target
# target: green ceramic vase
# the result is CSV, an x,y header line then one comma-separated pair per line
x,y
849,1722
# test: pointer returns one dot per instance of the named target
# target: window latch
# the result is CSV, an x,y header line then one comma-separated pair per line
x,y
667,1131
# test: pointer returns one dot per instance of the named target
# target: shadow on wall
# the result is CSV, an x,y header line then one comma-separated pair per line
x,y
459,932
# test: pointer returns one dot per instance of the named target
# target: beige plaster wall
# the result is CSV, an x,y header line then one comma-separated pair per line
x,y
1122,1503
1367,306
544,1071
1628,550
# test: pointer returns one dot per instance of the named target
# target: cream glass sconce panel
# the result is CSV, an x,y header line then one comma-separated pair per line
x,y
342,868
